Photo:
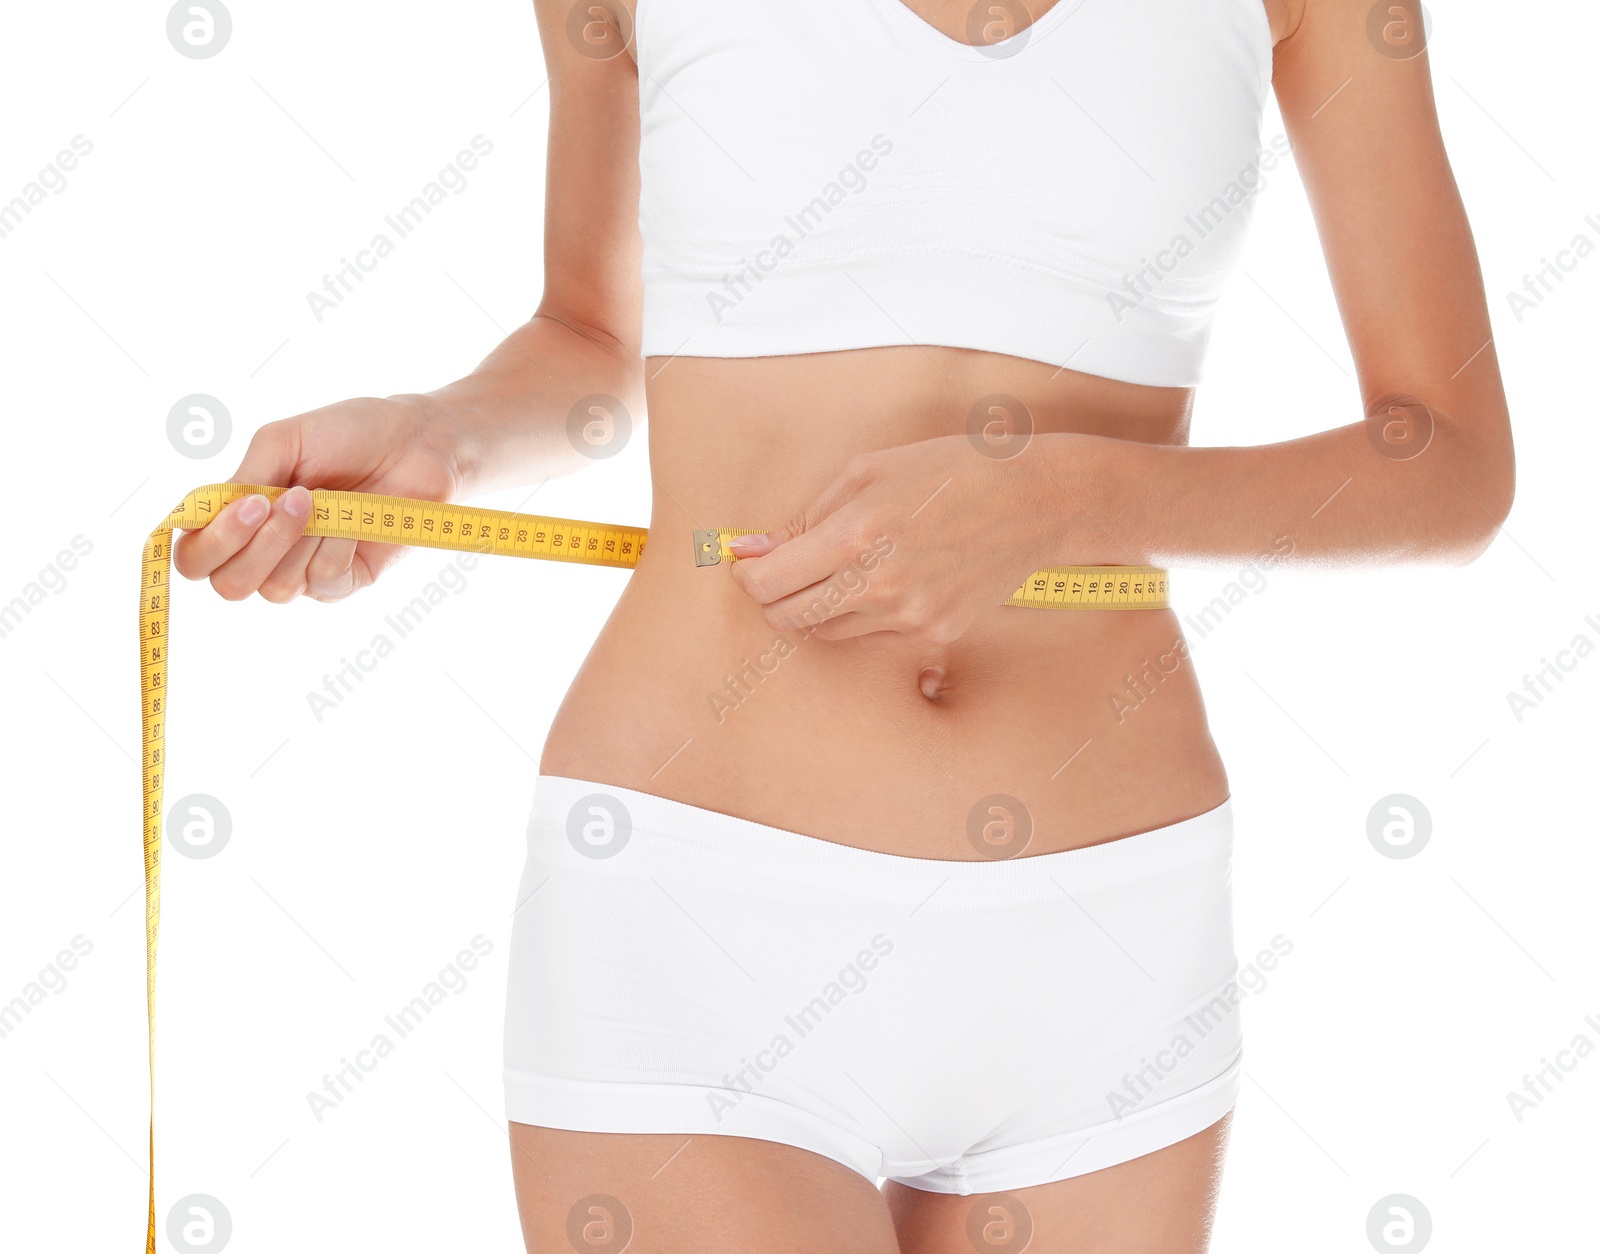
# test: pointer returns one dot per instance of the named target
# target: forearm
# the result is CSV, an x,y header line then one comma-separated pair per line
x,y
511,420
1325,499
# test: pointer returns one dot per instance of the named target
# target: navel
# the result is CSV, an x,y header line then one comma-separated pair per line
x,y
933,682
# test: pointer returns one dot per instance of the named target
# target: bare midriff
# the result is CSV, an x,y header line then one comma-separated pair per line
x,y
688,693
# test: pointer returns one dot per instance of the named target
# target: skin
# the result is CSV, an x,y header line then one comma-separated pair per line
x,y
918,693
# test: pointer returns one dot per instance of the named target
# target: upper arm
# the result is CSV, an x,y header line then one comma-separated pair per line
x,y
591,234
1399,250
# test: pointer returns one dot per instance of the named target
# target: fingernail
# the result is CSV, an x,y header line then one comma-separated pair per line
x,y
297,503
748,545
252,509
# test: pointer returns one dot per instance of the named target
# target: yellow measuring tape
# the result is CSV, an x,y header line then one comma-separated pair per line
x,y
396,520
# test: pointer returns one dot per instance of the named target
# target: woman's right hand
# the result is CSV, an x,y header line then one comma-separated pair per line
x,y
368,444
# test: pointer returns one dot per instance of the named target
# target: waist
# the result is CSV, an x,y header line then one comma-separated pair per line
x,y
689,694
1081,728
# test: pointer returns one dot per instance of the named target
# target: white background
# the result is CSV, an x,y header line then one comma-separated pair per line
x,y
369,848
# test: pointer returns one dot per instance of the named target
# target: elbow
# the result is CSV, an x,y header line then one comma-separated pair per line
x,y
1484,503
1462,474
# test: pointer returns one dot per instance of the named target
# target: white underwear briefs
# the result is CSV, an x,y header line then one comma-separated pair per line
x,y
960,1027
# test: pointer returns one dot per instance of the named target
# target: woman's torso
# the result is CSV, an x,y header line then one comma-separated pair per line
x,y
1061,728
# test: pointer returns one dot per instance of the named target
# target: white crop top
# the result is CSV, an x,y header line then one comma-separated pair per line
x,y
834,174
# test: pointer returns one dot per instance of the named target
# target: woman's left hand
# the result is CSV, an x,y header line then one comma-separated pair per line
x,y
917,539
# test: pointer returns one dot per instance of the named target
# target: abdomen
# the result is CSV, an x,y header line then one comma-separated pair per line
x,y
1048,729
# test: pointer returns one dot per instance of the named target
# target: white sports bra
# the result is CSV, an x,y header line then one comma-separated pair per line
x,y
833,174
